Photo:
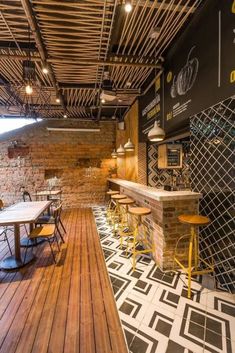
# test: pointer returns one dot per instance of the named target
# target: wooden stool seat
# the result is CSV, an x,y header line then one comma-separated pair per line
x,y
194,220
139,211
126,201
112,192
118,197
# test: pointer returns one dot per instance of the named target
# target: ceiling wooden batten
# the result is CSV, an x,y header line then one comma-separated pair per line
x,y
80,62
80,40
40,45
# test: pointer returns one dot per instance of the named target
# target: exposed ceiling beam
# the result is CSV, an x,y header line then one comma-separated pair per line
x,y
92,86
161,4
81,62
12,47
40,45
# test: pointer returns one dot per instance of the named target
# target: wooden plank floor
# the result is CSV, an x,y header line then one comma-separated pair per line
x,y
67,308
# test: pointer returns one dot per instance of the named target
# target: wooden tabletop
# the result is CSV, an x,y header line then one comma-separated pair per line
x,y
47,192
23,212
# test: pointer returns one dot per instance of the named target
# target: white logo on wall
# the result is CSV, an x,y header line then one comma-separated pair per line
x,y
186,77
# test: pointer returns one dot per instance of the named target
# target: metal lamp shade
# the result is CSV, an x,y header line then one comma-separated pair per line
x,y
129,146
156,134
121,151
114,154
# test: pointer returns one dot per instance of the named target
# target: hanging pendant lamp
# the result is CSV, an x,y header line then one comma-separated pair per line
x,y
156,134
129,146
114,154
121,151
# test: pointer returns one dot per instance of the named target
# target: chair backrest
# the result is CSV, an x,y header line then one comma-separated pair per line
x,y
1,204
57,213
26,196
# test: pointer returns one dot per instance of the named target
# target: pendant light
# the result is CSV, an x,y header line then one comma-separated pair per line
x,y
114,154
121,150
156,134
129,146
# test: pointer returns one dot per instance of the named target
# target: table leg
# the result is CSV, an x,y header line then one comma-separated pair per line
x,y
16,261
17,242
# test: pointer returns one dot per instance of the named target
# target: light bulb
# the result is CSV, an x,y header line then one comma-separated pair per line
x,y
65,116
128,7
29,89
103,100
57,100
45,70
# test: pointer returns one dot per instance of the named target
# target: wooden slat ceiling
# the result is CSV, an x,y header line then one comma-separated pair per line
x,y
81,40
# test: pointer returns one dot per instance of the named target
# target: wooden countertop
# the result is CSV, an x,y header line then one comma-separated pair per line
x,y
156,194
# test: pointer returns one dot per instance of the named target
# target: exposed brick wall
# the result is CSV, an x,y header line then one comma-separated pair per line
x,y
68,155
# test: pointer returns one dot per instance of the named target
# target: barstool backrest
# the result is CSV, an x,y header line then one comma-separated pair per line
x,y
56,213
26,196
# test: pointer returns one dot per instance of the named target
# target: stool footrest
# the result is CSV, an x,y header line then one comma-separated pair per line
x,y
195,272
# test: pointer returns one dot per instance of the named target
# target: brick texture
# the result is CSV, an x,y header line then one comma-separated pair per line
x,y
80,160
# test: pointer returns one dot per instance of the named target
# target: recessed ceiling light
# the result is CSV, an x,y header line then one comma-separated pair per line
x,y
45,70
128,7
29,89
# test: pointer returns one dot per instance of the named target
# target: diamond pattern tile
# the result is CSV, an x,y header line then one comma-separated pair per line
x,y
212,174
155,313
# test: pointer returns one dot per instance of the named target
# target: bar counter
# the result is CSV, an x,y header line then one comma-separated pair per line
x,y
165,207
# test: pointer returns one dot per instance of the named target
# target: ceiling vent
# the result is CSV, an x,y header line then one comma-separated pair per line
x,y
107,92
107,95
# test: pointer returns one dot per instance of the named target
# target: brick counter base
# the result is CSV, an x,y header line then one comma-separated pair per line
x,y
163,221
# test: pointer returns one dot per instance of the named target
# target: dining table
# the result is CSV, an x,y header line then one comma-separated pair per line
x,y
15,215
47,194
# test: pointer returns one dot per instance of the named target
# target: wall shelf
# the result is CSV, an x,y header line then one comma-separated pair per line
x,y
18,151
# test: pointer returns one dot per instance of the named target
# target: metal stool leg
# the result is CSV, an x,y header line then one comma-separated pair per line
x,y
195,248
190,264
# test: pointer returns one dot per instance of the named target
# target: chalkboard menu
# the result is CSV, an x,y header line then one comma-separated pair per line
x,y
150,109
200,68
173,157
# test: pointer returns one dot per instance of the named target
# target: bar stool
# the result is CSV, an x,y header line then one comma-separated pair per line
x,y
111,204
116,214
124,228
139,212
193,252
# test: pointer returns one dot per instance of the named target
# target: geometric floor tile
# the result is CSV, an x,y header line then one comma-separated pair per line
x,y
156,315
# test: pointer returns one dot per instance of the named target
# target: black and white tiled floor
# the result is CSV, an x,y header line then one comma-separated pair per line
x,y
153,307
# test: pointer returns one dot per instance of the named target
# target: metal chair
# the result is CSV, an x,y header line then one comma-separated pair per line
x,y
4,230
48,232
26,196
50,219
